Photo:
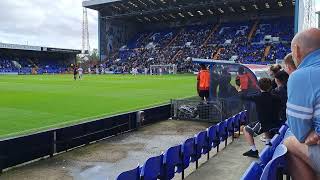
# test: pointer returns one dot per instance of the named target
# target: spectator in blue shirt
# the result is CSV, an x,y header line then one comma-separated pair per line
x,y
303,106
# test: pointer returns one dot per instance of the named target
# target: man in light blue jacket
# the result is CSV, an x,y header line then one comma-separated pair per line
x,y
303,106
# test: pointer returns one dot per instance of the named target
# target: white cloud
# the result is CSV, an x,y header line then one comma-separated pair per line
x,y
53,23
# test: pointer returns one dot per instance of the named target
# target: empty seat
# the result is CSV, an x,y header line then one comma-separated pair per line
x,y
266,155
230,126
253,172
213,137
172,161
275,168
133,174
188,152
283,130
223,133
152,168
276,140
237,123
243,117
201,143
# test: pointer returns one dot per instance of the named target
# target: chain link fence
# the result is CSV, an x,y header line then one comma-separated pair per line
x,y
211,111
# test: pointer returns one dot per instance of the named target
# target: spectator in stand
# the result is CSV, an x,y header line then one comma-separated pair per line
x,y
203,82
303,107
274,69
288,64
268,110
281,79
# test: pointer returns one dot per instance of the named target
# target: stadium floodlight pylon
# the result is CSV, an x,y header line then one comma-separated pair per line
x,y
85,52
306,14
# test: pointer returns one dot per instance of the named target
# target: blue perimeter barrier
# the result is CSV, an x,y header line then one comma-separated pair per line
x,y
23,149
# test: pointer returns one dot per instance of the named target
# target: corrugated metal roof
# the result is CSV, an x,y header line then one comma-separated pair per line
x,y
90,3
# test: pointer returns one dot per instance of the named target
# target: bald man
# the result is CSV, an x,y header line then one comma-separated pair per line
x,y
303,106
288,64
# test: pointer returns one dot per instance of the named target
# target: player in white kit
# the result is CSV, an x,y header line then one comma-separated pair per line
x,y
80,72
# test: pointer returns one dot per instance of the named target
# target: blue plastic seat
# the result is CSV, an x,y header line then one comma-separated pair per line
x,y
253,172
133,174
283,130
173,161
243,117
223,132
188,151
270,172
276,140
237,122
201,142
202,145
230,126
152,168
213,137
266,155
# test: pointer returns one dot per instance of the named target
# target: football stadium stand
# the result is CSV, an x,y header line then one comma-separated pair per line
x,y
269,42
23,59
138,34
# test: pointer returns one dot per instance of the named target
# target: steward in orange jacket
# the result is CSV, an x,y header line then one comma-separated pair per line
x,y
203,82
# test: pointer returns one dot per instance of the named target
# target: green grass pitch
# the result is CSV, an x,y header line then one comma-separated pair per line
x,y
33,103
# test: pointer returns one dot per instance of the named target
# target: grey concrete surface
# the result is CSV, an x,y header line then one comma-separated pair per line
x,y
106,159
228,164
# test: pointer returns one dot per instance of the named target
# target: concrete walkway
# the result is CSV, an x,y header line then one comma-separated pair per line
x,y
108,158
228,163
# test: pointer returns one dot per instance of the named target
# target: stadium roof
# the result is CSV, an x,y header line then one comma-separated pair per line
x,y
37,48
164,10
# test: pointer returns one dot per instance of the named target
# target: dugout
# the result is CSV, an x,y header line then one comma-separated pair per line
x,y
224,100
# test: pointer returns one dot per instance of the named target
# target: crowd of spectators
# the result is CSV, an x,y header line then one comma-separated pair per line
x,y
194,35
229,41
24,66
277,51
7,66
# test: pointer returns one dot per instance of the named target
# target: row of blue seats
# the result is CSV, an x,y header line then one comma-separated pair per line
x,y
271,164
177,158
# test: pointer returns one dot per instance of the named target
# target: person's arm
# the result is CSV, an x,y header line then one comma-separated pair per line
x,y
300,105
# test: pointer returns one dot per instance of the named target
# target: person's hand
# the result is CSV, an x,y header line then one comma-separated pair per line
x,y
312,139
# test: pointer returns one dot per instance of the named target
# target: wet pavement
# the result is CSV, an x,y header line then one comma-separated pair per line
x,y
107,158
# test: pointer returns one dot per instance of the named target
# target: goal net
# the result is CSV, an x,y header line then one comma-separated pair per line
x,y
163,69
